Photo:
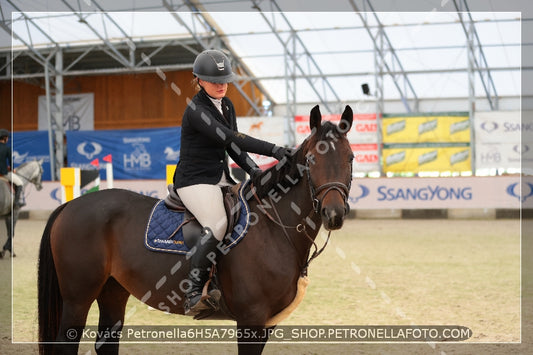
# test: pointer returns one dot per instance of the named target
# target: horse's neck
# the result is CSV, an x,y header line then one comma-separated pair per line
x,y
293,209
25,173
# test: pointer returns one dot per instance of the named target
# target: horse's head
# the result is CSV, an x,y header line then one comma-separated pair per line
x,y
37,178
32,171
329,167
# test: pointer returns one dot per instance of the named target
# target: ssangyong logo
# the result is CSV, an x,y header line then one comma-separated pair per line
x,y
360,191
514,190
489,126
521,148
55,194
89,149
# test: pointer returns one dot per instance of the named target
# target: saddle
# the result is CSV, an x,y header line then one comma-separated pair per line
x,y
191,229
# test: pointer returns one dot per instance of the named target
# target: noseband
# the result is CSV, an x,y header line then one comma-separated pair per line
x,y
341,188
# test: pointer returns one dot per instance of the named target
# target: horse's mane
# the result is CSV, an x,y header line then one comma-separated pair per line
x,y
288,172
283,174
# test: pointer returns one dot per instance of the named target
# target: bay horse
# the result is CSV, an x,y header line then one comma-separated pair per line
x,y
92,249
29,172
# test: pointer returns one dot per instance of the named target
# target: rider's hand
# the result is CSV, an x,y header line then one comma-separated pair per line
x,y
254,173
281,152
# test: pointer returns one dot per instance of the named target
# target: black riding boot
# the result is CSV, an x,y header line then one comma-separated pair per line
x,y
201,261
17,200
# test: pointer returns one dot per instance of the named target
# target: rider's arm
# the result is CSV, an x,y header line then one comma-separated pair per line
x,y
234,142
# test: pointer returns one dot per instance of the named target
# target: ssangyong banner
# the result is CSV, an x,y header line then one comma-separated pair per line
x,y
135,153
434,193
502,127
504,140
367,193
50,196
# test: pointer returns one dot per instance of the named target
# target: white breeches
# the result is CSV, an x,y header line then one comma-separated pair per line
x,y
14,178
206,203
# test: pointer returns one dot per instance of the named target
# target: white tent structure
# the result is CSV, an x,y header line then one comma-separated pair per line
x,y
427,56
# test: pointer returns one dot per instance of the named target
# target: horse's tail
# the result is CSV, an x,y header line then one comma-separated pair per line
x,y
50,301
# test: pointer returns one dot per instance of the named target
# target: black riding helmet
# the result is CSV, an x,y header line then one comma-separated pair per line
x,y
4,133
213,66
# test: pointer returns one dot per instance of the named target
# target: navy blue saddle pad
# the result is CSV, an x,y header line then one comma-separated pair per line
x,y
164,231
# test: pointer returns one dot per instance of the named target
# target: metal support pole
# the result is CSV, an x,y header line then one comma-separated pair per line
x,y
51,144
290,89
378,77
471,94
59,128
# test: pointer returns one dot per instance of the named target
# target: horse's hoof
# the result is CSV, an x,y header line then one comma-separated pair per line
x,y
2,254
215,294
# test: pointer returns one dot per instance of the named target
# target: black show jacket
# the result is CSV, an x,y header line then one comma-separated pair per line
x,y
206,136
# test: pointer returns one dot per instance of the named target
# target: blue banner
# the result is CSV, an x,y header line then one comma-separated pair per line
x,y
136,153
31,145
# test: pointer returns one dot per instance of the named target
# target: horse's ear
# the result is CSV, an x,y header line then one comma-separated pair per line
x,y
315,118
346,120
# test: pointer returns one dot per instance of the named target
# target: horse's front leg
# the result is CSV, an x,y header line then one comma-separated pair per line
x,y
10,226
252,339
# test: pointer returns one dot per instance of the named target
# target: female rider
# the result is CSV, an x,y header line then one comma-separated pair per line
x,y
208,134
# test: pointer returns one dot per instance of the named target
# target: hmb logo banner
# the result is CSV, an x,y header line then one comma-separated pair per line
x,y
137,153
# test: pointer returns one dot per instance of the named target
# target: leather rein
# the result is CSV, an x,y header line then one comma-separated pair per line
x,y
323,189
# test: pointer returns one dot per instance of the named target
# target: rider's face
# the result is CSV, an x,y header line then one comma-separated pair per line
x,y
214,90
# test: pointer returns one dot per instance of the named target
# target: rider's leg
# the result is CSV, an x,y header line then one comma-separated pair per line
x,y
205,202
18,185
18,201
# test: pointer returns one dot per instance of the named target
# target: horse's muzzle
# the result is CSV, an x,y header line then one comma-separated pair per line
x,y
333,217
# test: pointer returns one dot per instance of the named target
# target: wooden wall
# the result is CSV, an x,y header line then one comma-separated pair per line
x,y
120,101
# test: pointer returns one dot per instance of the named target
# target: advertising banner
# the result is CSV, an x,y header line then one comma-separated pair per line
x,y
136,153
426,159
366,158
32,145
364,128
502,127
50,196
451,192
270,129
504,155
453,127
504,140
78,112
367,193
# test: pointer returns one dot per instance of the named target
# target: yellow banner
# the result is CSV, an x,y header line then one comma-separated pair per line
x,y
398,160
424,129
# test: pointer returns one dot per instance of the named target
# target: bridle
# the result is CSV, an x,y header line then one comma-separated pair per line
x,y
341,188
